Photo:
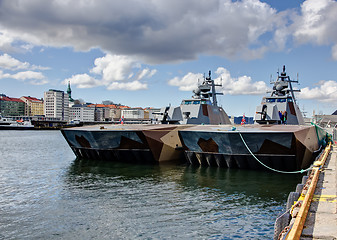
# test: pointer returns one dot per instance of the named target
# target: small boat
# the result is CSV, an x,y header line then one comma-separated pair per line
x,y
10,124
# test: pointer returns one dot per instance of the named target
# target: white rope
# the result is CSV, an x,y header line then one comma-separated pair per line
x,y
275,170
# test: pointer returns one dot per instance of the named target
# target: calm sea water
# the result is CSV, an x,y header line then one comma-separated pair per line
x,y
46,193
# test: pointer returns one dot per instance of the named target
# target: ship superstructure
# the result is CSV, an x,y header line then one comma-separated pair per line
x,y
202,108
280,107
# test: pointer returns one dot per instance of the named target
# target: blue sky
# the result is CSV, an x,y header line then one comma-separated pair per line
x,y
152,53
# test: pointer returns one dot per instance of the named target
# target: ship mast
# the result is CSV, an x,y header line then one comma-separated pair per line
x,y
283,81
210,81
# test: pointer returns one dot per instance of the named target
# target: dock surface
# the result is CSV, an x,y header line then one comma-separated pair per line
x,y
321,221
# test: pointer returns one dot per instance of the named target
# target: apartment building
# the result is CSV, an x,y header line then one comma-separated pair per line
x,y
33,106
56,104
82,112
11,106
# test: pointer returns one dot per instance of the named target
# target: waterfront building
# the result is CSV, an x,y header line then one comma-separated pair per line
x,y
105,113
33,106
11,106
133,113
82,112
101,112
56,104
150,113
115,113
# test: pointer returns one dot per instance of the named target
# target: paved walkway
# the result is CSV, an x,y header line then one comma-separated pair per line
x,y
321,222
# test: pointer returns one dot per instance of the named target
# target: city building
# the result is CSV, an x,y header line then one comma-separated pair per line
x,y
150,113
56,104
133,113
11,106
82,113
108,112
33,106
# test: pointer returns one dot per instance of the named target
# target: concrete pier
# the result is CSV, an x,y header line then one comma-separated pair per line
x,y
321,221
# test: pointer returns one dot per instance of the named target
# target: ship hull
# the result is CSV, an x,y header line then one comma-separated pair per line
x,y
127,143
279,147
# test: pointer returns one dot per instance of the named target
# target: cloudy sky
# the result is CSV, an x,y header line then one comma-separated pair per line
x,y
153,52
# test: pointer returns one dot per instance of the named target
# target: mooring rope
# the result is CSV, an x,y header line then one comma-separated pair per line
x,y
275,170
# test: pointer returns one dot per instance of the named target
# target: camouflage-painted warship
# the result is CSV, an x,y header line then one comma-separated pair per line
x,y
199,132
149,142
279,139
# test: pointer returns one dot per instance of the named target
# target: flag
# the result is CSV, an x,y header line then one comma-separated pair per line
x,y
121,120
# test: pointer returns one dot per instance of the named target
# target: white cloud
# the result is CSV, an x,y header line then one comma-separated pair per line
x,y
35,78
83,81
6,41
146,73
10,63
113,67
161,31
131,86
27,75
233,86
115,72
325,92
317,23
156,32
242,85
188,82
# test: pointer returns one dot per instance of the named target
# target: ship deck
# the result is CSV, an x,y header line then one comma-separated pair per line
x,y
187,127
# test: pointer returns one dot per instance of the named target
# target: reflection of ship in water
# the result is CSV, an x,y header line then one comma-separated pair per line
x,y
278,141
229,183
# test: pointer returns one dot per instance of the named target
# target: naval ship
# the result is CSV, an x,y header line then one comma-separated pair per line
x,y
149,142
199,132
279,139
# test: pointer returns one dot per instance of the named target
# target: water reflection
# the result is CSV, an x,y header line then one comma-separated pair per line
x,y
267,186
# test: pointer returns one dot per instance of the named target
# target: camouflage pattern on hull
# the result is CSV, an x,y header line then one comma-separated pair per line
x,y
281,147
127,143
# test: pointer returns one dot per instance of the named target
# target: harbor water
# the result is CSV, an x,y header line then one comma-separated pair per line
x,y
46,193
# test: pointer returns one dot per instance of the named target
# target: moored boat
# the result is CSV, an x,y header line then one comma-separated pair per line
x,y
278,140
149,142
9,124
198,132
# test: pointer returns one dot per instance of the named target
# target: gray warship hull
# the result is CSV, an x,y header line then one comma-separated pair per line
x,y
280,141
280,147
127,143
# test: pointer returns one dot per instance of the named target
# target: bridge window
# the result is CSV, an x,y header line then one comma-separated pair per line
x,y
281,100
